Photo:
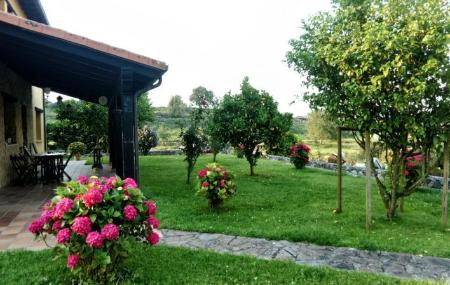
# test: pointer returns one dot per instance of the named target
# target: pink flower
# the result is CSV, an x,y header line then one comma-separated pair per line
x,y
56,226
154,222
92,197
151,207
129,183
153,238
202,173
205,184
111,182
222,183
110,232
94,239
63,236
47,215
36,226
82,179
63,206
103,189
81,225
130,212
72,261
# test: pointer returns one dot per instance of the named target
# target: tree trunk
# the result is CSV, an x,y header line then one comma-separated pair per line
x,y
252,171
214,156
396,172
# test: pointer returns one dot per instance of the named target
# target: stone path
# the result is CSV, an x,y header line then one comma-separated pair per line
x,y
394,264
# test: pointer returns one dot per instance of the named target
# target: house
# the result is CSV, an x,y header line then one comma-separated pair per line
x,y
36,57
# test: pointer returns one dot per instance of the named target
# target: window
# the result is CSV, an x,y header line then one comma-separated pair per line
x,y
38,125
9,117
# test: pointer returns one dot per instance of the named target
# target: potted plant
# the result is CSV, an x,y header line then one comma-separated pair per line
x,y
77,148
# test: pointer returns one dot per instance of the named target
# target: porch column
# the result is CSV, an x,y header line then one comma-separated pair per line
x,y
129,166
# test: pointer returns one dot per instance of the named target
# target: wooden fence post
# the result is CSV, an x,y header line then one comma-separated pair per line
x,y
445,187
368,181
339,173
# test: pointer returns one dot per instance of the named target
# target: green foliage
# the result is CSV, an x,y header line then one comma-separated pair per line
x,y
216,184
297,204
79,121
148,139
320,128
286,142
145,110
380,66
193,144
251,119
177,108
202,98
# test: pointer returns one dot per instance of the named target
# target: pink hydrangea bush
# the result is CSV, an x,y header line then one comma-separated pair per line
x,y
93,220
216,184
299,155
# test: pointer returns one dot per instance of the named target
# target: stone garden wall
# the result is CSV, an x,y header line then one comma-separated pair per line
x,y
435,182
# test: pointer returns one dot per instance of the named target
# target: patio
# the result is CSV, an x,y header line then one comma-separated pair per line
x,y
19,205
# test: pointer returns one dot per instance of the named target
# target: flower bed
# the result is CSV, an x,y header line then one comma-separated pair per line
x,y
94,220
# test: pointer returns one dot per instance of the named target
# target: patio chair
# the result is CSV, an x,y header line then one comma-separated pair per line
x,y
33,160
62,168
33,148
25,171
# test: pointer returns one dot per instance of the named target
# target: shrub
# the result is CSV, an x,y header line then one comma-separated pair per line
x,y
193,144
216,184
94,221
299,155
76,147
148,139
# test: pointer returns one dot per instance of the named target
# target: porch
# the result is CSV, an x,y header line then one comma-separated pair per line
x,y
19,205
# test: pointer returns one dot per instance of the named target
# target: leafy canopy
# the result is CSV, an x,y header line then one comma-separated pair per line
x,y
251,119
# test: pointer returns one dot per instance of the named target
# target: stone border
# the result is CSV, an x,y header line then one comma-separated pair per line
x,y
434,182
379,262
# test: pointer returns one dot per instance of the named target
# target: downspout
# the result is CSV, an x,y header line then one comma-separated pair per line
x,y
45,122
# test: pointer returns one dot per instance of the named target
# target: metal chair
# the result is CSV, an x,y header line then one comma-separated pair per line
x,y
61,167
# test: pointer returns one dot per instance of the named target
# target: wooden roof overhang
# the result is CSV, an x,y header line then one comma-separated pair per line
x,y
70,64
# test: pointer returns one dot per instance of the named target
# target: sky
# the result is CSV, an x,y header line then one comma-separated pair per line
x,y
207,43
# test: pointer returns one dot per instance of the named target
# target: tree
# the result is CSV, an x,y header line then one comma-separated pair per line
x,y
202,97
319,127
145,110
381,66
251,119
193,144
79,121
177,108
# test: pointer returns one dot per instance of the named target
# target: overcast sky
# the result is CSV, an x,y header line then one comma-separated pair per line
x,y
212,43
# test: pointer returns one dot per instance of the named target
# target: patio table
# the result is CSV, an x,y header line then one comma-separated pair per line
x,y
49,166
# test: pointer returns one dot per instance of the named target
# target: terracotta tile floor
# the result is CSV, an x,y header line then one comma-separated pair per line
x,y
19,205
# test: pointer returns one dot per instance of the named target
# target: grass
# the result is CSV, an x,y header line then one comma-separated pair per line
x,y
350,149
90,160
282,203
166,265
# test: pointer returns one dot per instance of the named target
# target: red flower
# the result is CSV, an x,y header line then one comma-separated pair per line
x,y
205,184
153,238
202,173
92,197
151,208
130,212
154,222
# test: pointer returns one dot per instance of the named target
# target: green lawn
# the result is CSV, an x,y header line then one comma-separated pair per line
x,y
284,203
165,265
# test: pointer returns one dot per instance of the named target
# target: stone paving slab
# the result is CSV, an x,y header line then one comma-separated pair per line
x,y
388,263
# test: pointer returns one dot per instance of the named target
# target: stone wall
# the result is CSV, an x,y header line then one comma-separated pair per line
x,y
435,182
12,86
